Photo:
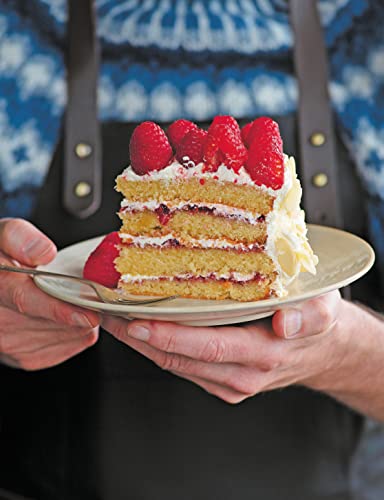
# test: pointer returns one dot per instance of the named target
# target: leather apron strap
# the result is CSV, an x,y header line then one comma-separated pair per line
x,y
315,120
82,151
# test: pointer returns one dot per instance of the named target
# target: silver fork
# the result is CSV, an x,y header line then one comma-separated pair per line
x,y
107,295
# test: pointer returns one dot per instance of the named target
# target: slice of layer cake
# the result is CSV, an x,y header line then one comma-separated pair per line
x,y
211,214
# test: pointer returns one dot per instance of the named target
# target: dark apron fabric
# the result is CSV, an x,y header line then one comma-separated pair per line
x,y
110,425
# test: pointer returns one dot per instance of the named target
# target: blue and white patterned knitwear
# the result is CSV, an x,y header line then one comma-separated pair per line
x,y
166,59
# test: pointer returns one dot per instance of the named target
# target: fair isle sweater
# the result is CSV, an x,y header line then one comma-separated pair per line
x,y
166,59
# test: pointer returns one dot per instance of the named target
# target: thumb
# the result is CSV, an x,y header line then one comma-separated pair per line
x,y
23,242
309,318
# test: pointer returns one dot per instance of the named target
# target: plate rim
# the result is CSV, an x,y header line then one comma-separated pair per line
x,y
211,305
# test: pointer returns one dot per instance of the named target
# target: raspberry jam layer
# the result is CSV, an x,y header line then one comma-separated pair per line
x,y
165,209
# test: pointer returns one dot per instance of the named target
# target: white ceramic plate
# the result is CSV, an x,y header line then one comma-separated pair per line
x,y
343,258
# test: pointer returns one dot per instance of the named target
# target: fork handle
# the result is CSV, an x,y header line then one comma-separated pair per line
x,y
38,272
95,286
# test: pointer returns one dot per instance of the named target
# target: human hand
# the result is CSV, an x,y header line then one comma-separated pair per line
x,y
36,331
299,345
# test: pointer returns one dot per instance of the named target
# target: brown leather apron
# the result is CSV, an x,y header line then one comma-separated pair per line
x,y
110,425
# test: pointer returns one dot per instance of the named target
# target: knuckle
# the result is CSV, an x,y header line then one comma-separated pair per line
x,y
270,362
169,343
7,282
325,316
119,331
92,337
246,385
9,228
19,299
57,313
240,385
10,225
171,362
62,314
214,351
335,295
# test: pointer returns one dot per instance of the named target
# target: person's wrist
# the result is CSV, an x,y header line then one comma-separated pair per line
x,y
372,312
357,347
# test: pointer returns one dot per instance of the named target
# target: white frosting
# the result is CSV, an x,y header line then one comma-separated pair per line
x,y
217,209
143,241
287,242
176,171
130,278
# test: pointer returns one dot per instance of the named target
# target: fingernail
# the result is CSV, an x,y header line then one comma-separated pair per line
x,y
37,247
292,322
139,333
81,320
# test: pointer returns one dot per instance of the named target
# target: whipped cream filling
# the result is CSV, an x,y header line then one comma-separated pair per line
x,y
158,241
217,209
233,276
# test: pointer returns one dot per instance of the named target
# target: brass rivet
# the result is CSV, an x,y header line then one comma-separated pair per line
x,y
83,150
320,180
317,139
82,189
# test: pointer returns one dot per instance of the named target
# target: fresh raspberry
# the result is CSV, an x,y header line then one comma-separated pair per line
x,y
149,148
178,129
224,145
229,121
212,156
264,127
245,131
265,164
100,265
265,155
190,150
231,145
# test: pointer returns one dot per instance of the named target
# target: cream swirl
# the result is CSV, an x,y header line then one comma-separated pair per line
x,y
287,242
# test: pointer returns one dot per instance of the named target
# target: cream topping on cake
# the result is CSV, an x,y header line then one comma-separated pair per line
x,y
177,171
287,242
